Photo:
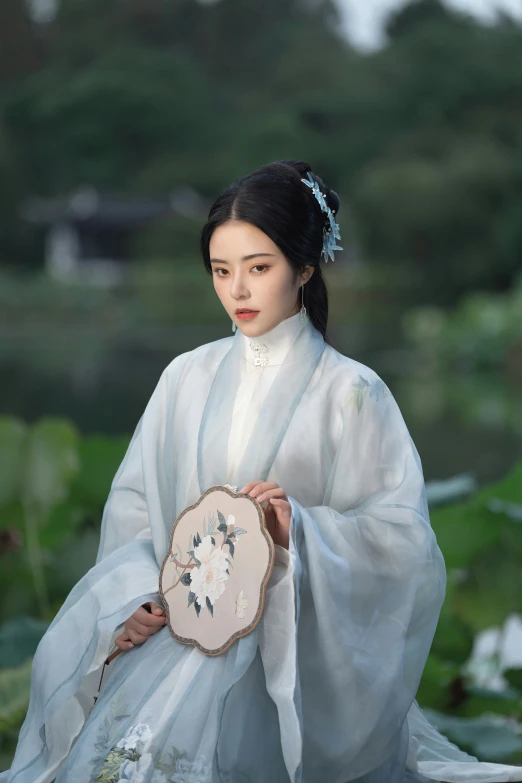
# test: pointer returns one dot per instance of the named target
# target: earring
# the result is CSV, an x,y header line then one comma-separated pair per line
x,y
234,327
302,311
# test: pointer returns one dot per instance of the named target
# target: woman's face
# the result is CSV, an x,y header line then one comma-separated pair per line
x,y
251,273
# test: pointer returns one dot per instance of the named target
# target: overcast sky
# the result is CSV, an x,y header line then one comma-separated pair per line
x,y
363,18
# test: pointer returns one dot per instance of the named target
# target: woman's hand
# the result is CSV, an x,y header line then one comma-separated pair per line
x,y
140,625
278,511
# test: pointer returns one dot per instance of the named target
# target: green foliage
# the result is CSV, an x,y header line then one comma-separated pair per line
x,y
481,539
483,333
487,739
422,138
52,494
14,696
453,640
514,677
19,638
100,458
44,459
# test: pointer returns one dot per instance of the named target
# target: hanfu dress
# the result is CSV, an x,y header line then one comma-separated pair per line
x,y
323,690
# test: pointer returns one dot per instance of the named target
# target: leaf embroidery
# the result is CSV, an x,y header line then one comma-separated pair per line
x,y
129,749
376,389
109,730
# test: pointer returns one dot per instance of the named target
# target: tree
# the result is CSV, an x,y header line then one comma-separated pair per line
x,y
20,46
417,14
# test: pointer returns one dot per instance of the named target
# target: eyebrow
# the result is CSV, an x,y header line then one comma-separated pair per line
x,y
245,258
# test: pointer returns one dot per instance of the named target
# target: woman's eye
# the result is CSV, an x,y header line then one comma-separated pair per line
x,y
262,267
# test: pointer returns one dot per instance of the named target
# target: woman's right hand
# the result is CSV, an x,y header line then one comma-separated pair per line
x,y
140,625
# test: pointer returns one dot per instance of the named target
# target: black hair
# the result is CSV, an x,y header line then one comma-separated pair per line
x,y
274,200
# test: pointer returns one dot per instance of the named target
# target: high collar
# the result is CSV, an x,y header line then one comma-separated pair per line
x,y
271,347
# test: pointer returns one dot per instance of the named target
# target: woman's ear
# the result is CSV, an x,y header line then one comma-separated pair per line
x,y
307,274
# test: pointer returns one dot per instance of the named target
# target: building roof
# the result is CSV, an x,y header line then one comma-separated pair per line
x,y
97,210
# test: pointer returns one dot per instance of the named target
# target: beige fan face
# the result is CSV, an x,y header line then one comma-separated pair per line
x,y
214,576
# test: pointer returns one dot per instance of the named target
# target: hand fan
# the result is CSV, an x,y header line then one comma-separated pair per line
x,y
213,579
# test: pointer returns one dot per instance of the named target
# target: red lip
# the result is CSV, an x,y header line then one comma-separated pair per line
x,y
246,315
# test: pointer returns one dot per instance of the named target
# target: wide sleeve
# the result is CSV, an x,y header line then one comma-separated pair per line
x,y
126,511
367,581
67,664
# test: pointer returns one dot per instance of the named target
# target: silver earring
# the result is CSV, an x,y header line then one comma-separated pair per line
x,y
234,327
302,311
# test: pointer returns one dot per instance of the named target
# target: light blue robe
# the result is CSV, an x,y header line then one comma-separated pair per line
x,y
323,690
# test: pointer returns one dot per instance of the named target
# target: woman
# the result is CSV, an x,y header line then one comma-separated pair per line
x,y
323,689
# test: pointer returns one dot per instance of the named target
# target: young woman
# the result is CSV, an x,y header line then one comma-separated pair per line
x,y
323,690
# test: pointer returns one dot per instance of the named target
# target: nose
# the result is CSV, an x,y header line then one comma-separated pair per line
x,y
238,287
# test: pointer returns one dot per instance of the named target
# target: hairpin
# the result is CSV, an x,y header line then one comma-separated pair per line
x,y
330,233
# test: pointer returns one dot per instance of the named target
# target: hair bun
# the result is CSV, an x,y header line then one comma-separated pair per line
x,y
332,198
288,169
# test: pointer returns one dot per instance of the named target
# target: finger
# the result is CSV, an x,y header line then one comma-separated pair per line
x,y
253,484
123,642
135,637
146,618
133,625
262,487
283,512
281,508
281,505
146,629
249,486
154,608
277,492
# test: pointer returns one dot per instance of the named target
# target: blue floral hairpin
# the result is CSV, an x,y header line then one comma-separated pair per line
x,y
332,232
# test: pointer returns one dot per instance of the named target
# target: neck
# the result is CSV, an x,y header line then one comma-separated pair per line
x,y
271,347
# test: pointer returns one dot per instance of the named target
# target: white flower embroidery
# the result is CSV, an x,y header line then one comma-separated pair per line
x,y
135,771
139,733
208,580
192,771
241,605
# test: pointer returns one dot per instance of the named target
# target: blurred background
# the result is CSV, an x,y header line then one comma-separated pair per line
x,y
120,122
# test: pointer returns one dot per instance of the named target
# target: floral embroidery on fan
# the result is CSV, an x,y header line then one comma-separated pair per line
x,y
207,568
375,388
241,605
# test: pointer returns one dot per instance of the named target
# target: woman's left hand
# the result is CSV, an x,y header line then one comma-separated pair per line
x,y
278,512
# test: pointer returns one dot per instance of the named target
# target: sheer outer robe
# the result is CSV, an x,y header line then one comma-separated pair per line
x,y
346,631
